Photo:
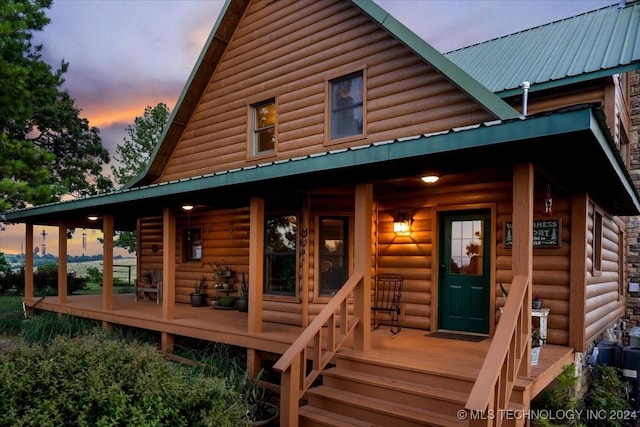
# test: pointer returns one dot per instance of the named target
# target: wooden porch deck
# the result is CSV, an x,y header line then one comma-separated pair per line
x,y
411,347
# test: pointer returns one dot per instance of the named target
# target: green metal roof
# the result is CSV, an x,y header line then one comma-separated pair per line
x,y
591,45
546,140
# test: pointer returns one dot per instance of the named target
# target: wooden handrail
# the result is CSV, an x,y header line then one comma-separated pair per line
x,y
508,356
295,380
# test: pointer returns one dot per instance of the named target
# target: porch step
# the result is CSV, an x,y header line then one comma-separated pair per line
x,y
355,409
418,395
454,380
311,416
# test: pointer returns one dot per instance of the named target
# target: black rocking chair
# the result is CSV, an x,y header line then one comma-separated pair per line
x,y
386,298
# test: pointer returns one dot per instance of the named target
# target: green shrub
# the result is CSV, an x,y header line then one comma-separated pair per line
x,y
93,380
94,275
606,395
11,281
45,281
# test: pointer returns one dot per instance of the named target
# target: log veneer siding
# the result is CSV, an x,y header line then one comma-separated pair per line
x,y
603,302
290,55
226,237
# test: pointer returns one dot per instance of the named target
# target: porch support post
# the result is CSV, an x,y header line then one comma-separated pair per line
x,y
168,264
256,264
62,263
522,247
362,262
578,275
107,262
28,261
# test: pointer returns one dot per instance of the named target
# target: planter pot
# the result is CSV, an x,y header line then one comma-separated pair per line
x,y
537,304
242,304
272,420
535,355
198,300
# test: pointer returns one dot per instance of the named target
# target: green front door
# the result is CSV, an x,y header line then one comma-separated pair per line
x,y
464,279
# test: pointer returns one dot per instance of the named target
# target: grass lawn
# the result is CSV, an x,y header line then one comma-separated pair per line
x,y
10,303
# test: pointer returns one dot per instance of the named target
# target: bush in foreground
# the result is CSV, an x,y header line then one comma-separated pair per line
x,y
95,380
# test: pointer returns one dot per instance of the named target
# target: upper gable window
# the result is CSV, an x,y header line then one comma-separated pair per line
x,y
264,127
346,104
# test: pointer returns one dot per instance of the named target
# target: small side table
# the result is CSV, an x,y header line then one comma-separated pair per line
x,y
543,314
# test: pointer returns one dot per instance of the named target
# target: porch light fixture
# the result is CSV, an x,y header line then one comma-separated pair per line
x,y
402,223
430,179
92,217
187,207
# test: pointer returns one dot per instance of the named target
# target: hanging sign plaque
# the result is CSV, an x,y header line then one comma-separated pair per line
x,y
546,233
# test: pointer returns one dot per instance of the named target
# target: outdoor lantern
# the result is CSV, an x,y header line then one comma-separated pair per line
x,y
92,217
402,223
187,207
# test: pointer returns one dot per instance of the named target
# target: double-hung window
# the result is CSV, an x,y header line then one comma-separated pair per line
x,y
346,106
264,127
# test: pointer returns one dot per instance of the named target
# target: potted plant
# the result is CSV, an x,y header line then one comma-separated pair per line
x,y
535,347
537,302
199,294
227,302
260,411
223,273
242,302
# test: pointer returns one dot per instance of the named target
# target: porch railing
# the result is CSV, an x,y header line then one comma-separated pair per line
x,y
508,357
319,342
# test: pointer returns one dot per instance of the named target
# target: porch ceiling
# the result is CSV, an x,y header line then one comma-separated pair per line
x,y
570,148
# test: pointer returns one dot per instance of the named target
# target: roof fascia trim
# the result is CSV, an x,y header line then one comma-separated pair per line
x,y
479,136
611,152
171,122
552,84
463,80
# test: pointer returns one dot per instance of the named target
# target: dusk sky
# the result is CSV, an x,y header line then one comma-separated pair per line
x,y
125,55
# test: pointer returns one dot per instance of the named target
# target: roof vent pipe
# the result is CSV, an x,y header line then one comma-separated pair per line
x,y
525,98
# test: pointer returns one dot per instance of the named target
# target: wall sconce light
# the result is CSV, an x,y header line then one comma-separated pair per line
x,y
187,207
402,223
430,179
92,217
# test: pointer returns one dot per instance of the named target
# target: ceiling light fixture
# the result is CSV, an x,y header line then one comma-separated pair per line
x,y
430,179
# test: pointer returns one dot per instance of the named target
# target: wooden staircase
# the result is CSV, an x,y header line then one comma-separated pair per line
x,y
365,390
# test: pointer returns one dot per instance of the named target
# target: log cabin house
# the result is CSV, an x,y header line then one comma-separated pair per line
x,y
296,155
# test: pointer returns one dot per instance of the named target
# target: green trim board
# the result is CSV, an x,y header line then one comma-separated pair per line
x,y
453,72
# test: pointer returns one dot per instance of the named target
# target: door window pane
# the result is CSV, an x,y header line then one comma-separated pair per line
x,y
466,247
192,244
280,255
333,255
